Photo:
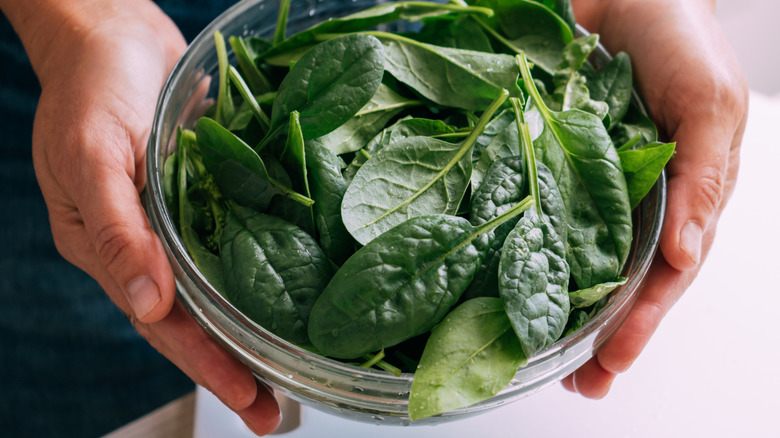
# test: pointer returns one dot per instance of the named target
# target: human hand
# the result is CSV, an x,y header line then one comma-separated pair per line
x,y
695,91
101,65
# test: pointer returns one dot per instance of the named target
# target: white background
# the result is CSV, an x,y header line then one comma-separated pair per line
x,y
712,367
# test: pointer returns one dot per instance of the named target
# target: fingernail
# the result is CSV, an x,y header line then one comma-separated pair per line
x,y
690,241
143,294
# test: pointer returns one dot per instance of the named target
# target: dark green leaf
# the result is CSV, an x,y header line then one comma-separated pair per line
x,y
529,27
613,85
397,286
450,77
580,154
364,20
330,84
533,281
414,177
274,271
327,190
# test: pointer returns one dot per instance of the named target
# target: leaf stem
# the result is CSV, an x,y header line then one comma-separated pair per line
x,y
281,22
249,98
530,157
257,81
530,87
506,216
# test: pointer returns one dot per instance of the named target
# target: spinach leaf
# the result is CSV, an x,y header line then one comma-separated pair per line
x,y
206,261
471,356
528,27
367,123
330,84
455,31
533,281
414,177
225,109
402,129
571,89
450,77
397,286
400,284
256,80
634,124
503,144
613,85
579,152
274,271
327,189
643,167
563,9
590,296
410,11
502,188
238,171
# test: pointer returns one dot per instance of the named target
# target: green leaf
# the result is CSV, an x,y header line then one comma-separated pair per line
x,y
256,80
237,169
533,280
528,27
330,84
450,77
643,167
367,123
274,271
454,31
363,20
417,176
397,286
590,296
503,144
613,85
471,356
580,154
503,187
327,189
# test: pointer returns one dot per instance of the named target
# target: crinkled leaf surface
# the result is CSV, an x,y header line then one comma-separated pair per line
x,y
397,286
274,271
533,281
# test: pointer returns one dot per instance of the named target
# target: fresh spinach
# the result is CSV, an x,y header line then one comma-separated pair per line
x,y
348,70
471,356
579,152
374,260
414,177
274,271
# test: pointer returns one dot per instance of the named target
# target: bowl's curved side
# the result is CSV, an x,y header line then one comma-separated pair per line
x,y
325,384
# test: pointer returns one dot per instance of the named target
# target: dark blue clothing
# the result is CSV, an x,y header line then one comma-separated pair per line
x,y
71,365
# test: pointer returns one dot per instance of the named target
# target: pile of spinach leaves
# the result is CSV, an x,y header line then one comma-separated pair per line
x,y
447,202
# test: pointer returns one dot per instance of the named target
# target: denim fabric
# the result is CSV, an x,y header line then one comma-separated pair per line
x,y
71,365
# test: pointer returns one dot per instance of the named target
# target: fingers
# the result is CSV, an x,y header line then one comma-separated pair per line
x,y
264,415
124,243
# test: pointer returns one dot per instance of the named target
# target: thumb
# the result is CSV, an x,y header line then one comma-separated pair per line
x,y
124,243
697,189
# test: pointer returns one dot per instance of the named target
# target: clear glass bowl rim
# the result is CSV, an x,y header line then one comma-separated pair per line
x,y
208,306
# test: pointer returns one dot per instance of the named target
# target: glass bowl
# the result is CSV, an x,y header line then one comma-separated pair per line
x,y
347,391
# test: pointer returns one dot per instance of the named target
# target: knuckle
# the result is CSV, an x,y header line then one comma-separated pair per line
x,y
111,242
710,187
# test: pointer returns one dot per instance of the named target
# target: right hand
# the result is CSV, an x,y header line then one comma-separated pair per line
x,y
101,65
